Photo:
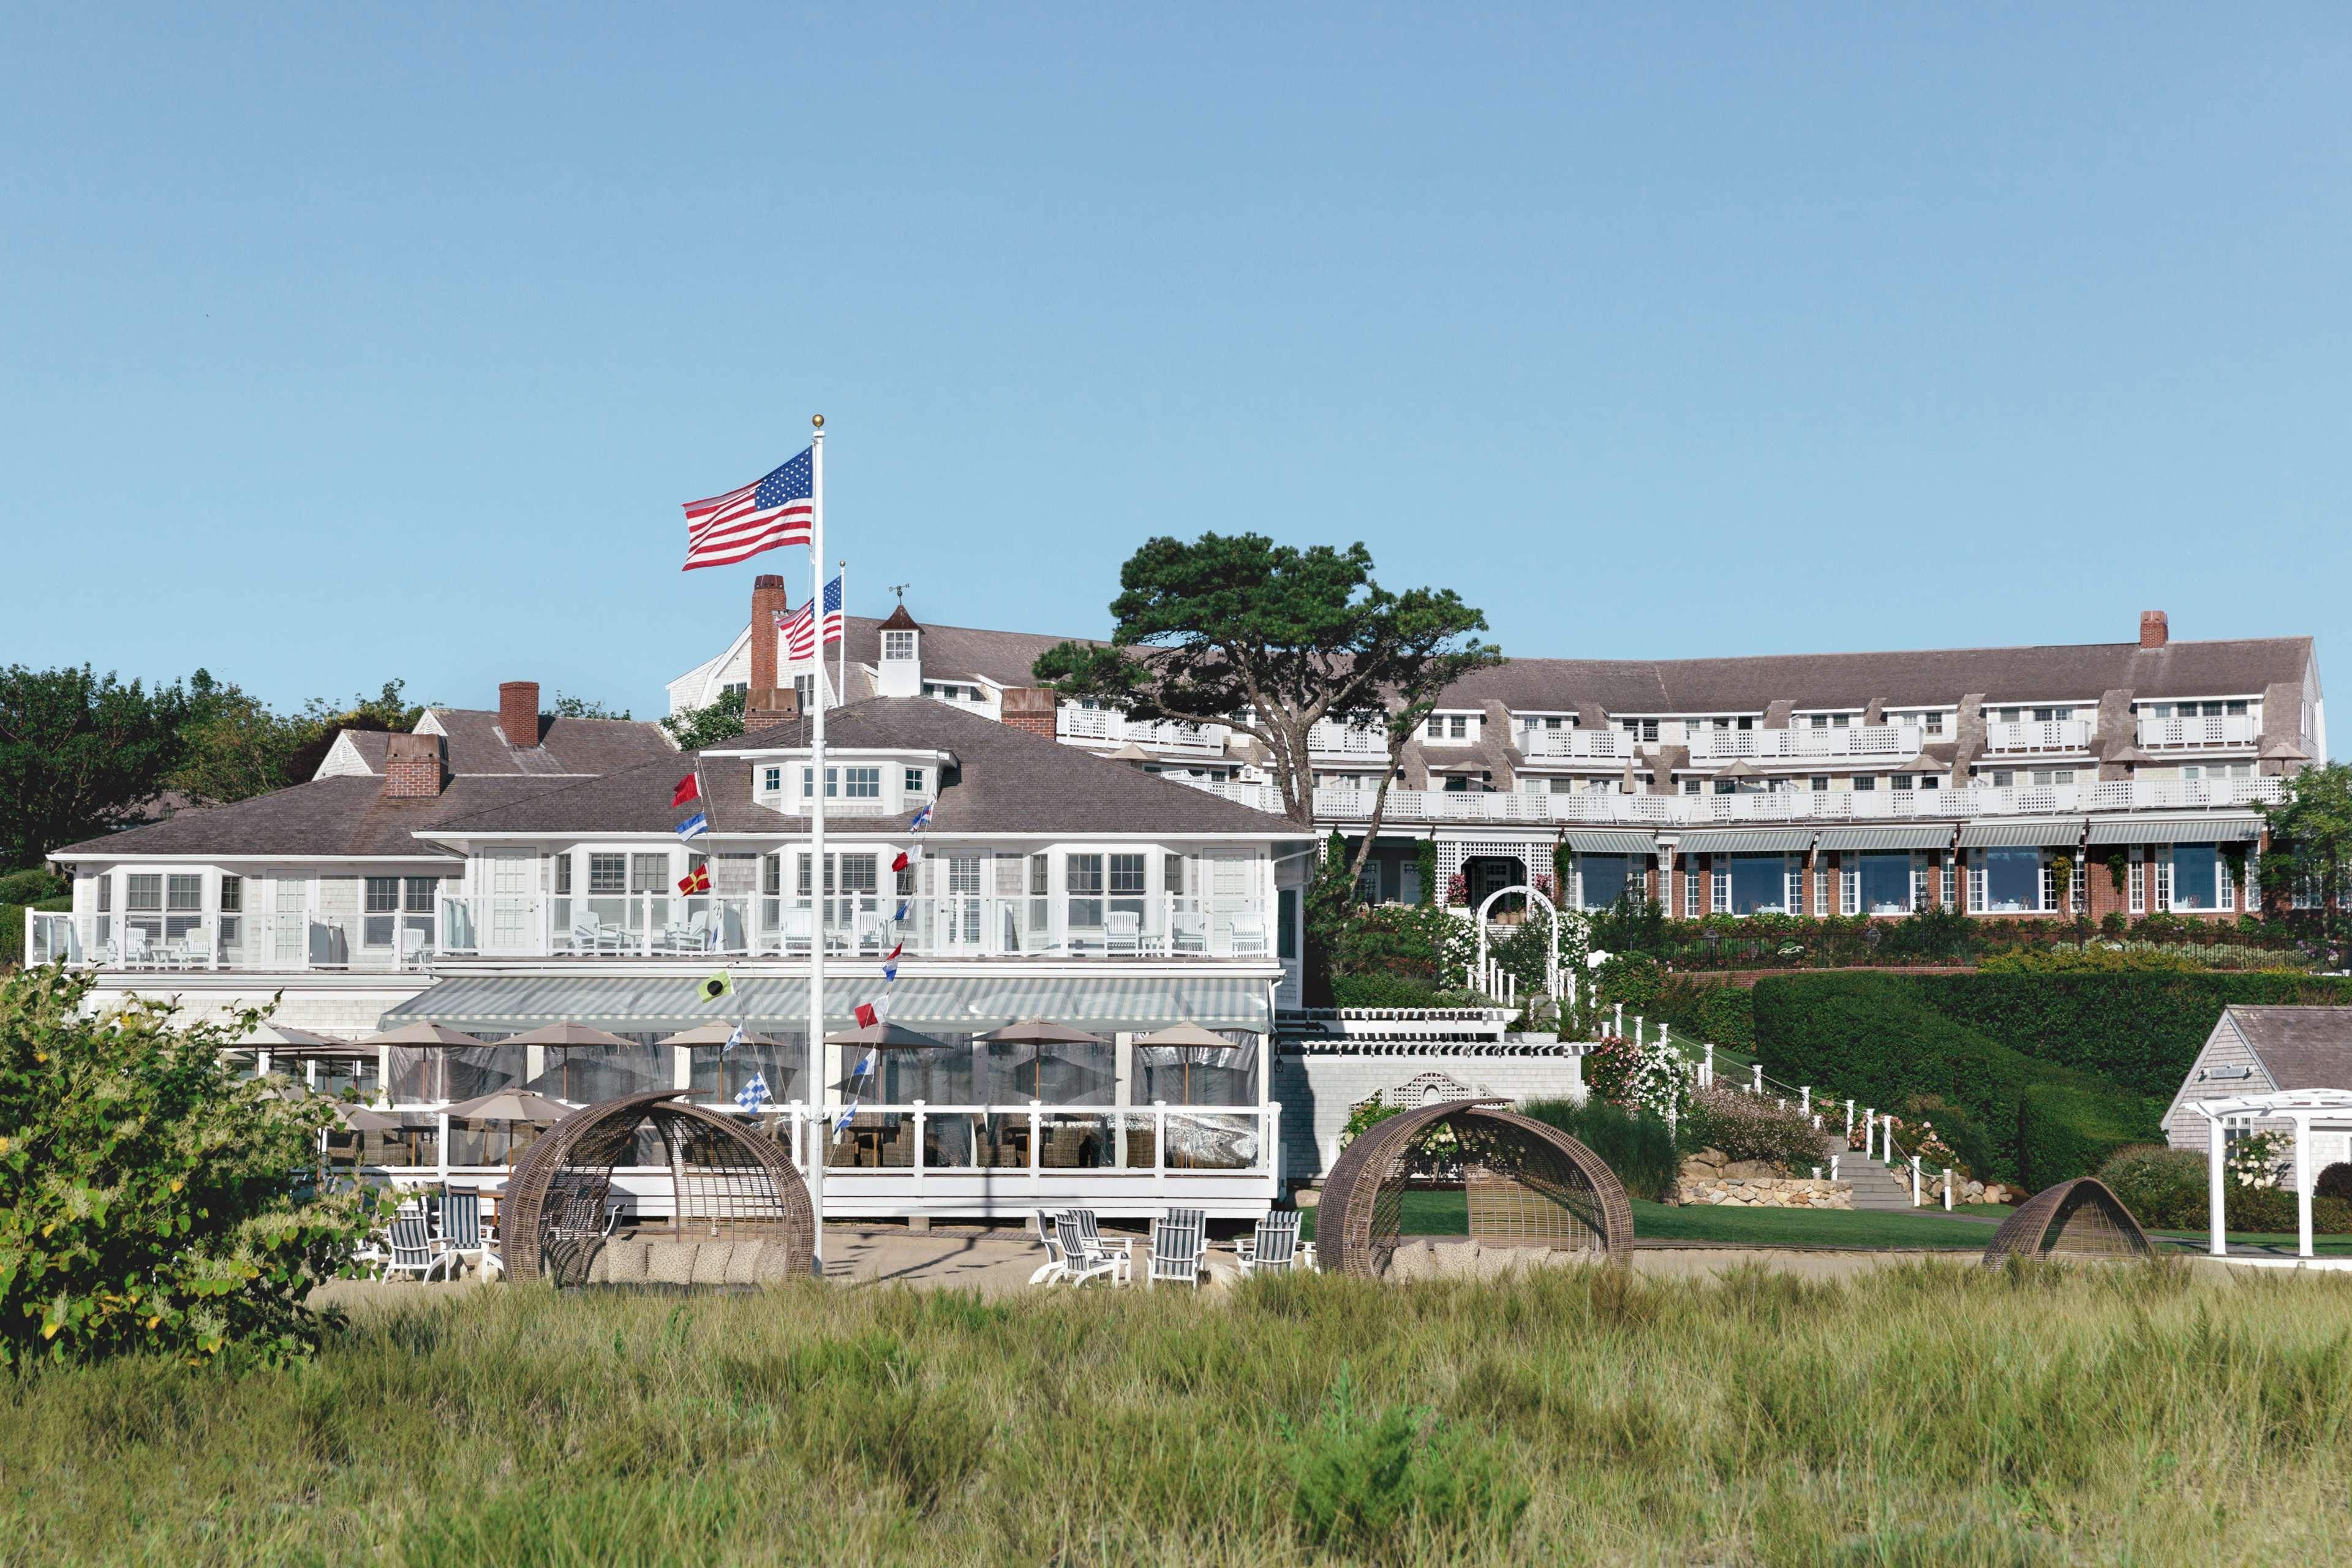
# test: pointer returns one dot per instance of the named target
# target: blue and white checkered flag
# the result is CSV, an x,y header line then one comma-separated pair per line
x,y
734,1038
754,1094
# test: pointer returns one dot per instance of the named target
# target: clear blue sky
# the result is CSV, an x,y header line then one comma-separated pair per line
x,y
338,347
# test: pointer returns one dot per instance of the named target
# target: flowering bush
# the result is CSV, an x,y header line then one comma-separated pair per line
x,y
1752,1127
1651,1076
1543,885
1457,890
2260,1159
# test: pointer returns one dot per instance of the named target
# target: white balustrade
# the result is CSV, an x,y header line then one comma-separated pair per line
x,y
2039,735
2208,729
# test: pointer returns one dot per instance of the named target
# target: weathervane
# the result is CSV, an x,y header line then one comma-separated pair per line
x,y
900,589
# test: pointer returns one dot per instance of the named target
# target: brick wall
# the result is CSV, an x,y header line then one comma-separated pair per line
x,y
1030,708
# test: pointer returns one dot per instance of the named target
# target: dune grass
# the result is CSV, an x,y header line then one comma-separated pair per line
x,y
1923,1413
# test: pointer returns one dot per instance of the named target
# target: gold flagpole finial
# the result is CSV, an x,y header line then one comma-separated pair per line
x,y
817,420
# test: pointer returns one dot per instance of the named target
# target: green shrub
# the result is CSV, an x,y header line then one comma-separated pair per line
x,y
146,1198
2065,1129
1971,1147
1640,1148
12,926
2164,1188
33,885
1373,1487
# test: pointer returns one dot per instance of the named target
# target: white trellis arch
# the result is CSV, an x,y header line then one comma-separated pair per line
x,y
1552,977
1454,853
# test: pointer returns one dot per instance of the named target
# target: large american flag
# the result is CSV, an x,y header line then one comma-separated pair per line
x,y
799,626
776,509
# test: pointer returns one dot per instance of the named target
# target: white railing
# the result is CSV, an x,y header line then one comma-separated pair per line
x,y
1803,741
911,1141
1103,724
235,942
2214,730
947,925
2039,735
1324,739
1338,803
1599,744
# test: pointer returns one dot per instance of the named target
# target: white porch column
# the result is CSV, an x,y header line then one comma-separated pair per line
x,y
2216,1190
2302,1186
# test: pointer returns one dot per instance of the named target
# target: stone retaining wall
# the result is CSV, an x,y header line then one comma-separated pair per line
x,y
1766,1193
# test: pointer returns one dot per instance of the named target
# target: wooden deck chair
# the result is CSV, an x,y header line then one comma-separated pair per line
x,y
413,1251
1092,1231
1055,1265
1078,1265
461,1233
1274,1248
1177,1238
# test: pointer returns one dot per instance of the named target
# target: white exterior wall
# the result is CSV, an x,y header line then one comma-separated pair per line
x,y
347,1011
1316,1090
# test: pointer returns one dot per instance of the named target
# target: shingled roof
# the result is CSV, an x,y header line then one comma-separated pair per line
x,y
2299,1047
474,745
1005,781
331,817
1928,678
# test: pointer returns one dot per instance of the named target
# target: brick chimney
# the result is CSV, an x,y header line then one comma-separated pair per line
x,y
1030,708
769,600
518,712
2153,632
763,708
411,767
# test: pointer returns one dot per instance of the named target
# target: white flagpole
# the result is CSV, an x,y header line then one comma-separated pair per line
x,y
841,690
817,1054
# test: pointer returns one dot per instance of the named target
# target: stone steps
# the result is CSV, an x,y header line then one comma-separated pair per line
x,y
1875,1186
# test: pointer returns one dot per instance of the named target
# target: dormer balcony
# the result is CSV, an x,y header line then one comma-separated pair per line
x,y
2210,730
1112,728
2039,735
1711,744
1599,745
1325,739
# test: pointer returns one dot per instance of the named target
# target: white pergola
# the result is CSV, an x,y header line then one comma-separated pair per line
x,y
2308,1109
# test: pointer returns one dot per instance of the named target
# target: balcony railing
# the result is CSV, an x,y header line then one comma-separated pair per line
x,y
949,925
277,944
2212,730
1601,745
1102,724
1804,741
1325,739
2039,735
1340,805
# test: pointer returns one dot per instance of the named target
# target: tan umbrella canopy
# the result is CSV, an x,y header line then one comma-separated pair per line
x,y
278,1035
1129,752
513,1105
424,1034
1740,768
885,1035
1037,1034
1187,1035
359,1119
715,1034
569,1037
1629,785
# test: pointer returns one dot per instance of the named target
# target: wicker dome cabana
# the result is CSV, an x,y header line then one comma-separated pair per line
x,y
2076,1220
1527,1184
727,1183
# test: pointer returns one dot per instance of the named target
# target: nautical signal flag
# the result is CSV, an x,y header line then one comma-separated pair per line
x,y
922,819
907,856
754,1094
695,881
734,1038
689,788
869,1014
715,986
694,827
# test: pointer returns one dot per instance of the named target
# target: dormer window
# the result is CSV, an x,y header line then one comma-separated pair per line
x,y
898,645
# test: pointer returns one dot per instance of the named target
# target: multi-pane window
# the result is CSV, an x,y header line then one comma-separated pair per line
x,y
1864,784
853,874
608,873
859,783
772,780
898,645
1644,729
913,782
1127,885
2138,881
649,873
142,904
184,905
1082,883
232,910
2010,879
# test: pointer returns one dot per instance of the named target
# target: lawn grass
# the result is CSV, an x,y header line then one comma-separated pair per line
x,y
1446,1214
1923,1414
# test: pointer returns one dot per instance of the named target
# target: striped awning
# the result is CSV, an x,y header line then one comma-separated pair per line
x,y
2218,830
931,1005
1745,840
2021,834
1907,835
1611,841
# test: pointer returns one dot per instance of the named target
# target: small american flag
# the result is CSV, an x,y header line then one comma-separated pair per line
x,y
778,508
832,622
800,633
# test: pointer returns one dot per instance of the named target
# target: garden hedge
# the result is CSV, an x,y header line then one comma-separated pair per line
x,y
1872,1037
2142,1030
2065,1131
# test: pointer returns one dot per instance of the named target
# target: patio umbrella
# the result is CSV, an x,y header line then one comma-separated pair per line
x,y
1740,768
1129,752
513,1105
1189,1046
569,1037
269,1036
880,1036
715,1034
359,1119
423,1034
1037,1034
1629,785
